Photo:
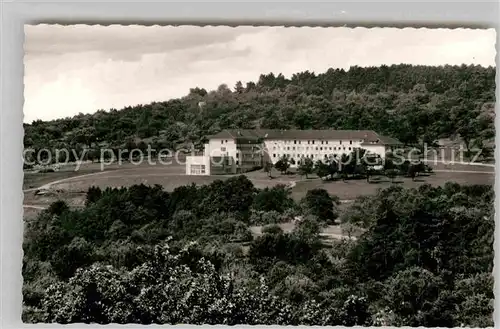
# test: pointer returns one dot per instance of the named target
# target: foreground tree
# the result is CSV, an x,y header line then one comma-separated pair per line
x,y
321,169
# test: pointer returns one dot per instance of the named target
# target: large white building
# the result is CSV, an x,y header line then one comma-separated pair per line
x,y
233,151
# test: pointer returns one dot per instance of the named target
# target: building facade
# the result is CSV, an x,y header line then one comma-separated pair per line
x,y
231,152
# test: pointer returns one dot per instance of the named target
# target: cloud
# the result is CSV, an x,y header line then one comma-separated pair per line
x,y
72,69
122,42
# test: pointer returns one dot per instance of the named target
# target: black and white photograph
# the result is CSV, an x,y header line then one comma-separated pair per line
x,y
258,175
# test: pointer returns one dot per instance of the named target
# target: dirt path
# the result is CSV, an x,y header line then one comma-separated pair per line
x,y
48,185
33,206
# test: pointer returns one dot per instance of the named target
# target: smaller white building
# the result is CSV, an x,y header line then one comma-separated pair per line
x,y
197,165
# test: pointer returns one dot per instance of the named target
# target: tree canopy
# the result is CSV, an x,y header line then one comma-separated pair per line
x,y
144,255
415,104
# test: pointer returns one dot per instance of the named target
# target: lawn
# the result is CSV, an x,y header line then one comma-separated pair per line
x,y
169,177
34,180
350,189
172,176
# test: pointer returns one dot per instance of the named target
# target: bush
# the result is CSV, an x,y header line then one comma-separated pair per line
x,y
320,204
272,229
46,170
267,217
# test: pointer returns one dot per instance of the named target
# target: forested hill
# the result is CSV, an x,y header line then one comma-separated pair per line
x,y
412,103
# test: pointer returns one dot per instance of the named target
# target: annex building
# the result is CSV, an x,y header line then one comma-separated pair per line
x,y
237,151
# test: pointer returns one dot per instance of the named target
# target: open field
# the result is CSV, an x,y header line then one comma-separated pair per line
x,y
165,176
70,185
350,189
33,180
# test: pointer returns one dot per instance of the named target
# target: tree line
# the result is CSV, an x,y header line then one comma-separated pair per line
x,y
357,164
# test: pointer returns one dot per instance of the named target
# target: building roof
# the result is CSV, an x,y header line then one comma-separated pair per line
x,y
234,133
270,134
386,140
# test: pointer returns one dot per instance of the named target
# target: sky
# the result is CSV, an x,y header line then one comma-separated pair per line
x,y
82,69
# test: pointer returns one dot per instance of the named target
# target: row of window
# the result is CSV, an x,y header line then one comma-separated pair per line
x,y
300,142
320,148
252,149
197,169
299,156
312,142
238,155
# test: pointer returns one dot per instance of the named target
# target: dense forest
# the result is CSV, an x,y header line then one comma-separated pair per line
x,y
144,255
415,104
421,257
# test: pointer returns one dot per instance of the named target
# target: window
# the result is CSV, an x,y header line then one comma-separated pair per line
x,y
349,148
222,142
350,142
197,169
340,142
293,148
321,149
308,142
274,147
335,148
316,148
274,155
295,142
226,141
326,142
223,149
313,142
299,142
321,142
361,141
343,148
288,148
330,148
307,148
